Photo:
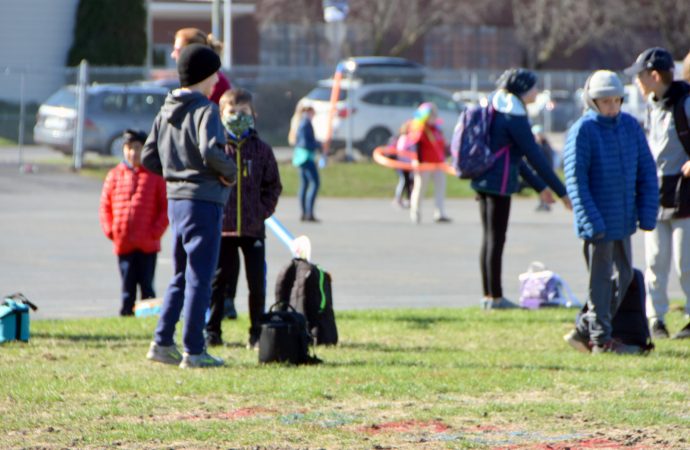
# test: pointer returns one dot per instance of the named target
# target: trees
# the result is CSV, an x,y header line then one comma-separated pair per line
x,y
672,19
547,27
109,32
393,29
392,26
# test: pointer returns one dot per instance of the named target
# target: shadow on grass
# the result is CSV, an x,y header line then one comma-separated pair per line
x,y
91,337
385,348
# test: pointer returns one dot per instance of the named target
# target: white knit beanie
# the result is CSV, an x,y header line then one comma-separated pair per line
x,y
604,83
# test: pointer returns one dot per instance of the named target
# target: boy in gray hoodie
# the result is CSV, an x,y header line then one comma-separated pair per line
x,y
186,146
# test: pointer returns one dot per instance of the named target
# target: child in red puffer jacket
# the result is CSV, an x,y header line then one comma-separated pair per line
x,y
134,215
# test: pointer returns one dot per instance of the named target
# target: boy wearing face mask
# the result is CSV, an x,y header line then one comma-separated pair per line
x,y
611,180
252,200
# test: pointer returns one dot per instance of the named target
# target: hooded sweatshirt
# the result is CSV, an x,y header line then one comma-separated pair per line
x,y
663,139
186,146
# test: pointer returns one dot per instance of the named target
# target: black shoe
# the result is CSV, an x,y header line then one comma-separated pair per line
x,y
213,340
229,310
126,313
659,330
311,219
443,219
684,333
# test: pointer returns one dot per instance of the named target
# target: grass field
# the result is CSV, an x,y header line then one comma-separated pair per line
x,y
436,378
344,180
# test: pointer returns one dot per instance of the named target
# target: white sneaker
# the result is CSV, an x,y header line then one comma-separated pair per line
x,y
201,360
164,354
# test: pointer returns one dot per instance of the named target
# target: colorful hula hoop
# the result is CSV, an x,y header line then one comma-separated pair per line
x,y
382,155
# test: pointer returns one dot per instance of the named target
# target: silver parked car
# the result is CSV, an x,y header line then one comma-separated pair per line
x,y
110,109
377,111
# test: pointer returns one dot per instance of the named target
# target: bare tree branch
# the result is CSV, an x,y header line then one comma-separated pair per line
x,y
549,27
672,18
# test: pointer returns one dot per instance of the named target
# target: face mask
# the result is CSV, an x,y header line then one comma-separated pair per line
x,y
238,124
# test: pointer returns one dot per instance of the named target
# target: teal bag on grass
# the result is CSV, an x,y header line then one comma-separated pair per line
x,y
14,318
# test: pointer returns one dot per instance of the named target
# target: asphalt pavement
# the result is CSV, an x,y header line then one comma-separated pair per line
x,y
52,248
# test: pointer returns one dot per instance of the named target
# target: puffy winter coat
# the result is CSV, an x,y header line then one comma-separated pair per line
x,y
134,209
511,127
610,177
255,196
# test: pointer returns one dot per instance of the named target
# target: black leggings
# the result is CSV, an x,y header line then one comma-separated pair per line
x,y
494,211
226,279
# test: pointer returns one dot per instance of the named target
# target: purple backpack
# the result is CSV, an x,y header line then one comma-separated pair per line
x,y
541,288
472,155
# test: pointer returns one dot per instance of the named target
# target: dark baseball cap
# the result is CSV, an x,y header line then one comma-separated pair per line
x,y
655,58
130,136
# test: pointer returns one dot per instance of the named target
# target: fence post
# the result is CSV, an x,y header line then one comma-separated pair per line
x,y
22,112
82,82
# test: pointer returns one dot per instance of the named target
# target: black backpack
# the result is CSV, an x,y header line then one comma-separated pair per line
x,y
630,322
284,337
307,288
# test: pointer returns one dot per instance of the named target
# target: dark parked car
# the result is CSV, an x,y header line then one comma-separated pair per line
x,y
110,109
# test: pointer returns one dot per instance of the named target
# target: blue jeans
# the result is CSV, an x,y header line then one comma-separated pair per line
x,y
196,227
308,188
137,269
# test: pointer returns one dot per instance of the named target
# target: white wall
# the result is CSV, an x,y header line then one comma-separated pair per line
x,y
36,36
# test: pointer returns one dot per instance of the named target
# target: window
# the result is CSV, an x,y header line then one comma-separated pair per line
x,y
323,93
144,103
405,99
112,102
442,102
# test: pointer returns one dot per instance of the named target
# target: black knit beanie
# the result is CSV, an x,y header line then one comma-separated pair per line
x,y
196,63
517,81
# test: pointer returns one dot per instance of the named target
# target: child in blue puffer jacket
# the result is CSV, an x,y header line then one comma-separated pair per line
x,y
611,179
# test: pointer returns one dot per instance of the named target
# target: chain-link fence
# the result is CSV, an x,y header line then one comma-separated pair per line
x,y
276,90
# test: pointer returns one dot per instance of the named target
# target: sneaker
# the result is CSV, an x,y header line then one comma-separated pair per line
x,y
683,333
253,342
484,302
214,340
500,303
616,346
164,354
201,360
578,342
229,310
659,330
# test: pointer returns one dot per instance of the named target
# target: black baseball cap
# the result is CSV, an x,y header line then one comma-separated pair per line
x,y
655,58
130,135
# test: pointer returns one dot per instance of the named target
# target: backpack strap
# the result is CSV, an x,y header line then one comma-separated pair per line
x,y
285,282
680,118
322,279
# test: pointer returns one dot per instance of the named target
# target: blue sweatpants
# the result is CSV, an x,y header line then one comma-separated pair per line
x,y
137,269
196,228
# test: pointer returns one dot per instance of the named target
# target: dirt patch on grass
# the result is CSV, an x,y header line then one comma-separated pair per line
x,y
408,426
235,414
